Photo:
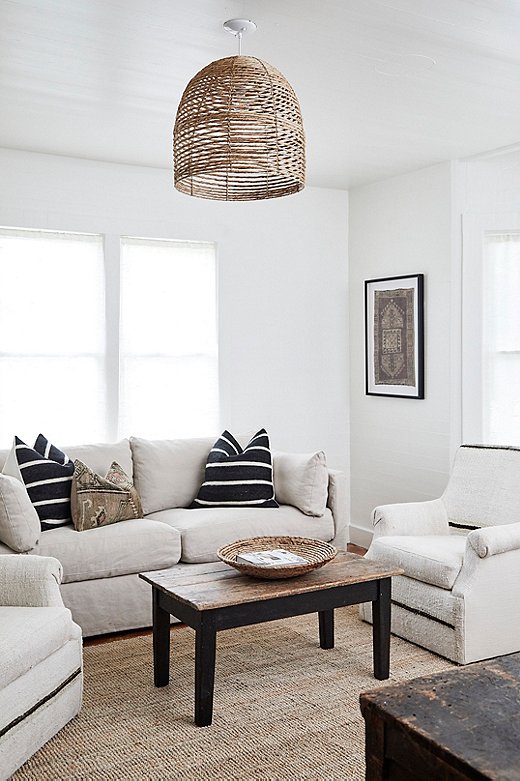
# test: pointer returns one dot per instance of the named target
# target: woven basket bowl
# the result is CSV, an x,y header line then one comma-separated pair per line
x,y
316,552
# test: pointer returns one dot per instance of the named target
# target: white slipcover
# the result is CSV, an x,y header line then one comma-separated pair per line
x,y
41,674
459,594
100,581
204,530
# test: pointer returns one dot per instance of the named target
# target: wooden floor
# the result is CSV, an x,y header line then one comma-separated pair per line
x,y
142,632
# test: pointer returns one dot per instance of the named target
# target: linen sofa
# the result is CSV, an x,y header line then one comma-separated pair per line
x,y
41,675
100,566
461,557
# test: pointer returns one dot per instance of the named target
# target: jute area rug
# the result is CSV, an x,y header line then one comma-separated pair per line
x,y
284,709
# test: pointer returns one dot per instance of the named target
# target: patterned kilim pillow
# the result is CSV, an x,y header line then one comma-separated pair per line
x,y
100,501
238,477
47,479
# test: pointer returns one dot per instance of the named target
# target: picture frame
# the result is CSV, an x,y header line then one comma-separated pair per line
x,y
394,336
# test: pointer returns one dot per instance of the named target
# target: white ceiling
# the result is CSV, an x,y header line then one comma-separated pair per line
x,y
102,79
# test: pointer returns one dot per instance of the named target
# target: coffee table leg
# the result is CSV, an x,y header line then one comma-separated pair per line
x,y
161,642
381,630
205,653
326,624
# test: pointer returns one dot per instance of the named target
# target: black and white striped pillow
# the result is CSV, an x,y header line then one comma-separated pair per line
x,y
48,450
47,475
238,477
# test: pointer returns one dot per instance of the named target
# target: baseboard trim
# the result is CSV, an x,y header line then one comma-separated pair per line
x,y
359,535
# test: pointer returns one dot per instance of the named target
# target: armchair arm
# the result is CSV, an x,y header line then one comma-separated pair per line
x,y
337,503
411,519
494,539
30,581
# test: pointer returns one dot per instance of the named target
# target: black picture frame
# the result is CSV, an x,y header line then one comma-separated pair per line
x,y
404,358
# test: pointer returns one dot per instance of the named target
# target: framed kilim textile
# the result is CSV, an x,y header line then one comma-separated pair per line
x,y
394,336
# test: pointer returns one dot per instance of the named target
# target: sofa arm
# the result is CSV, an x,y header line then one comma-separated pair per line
x,y
30,581
411,519
494,539
337,504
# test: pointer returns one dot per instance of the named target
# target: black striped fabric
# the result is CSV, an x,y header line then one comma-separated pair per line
x,y
238,477
48,450
48,480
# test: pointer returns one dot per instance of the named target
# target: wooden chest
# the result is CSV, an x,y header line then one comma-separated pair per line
x,y
461,724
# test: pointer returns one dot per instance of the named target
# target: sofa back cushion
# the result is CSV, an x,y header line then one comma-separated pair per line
x,y
484,487
97,457
101,456
168,472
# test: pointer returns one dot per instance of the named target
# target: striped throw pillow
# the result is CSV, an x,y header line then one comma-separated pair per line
x,y
48,450
47,478
238,477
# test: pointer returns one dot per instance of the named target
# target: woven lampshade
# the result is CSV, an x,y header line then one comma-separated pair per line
x,y
238,133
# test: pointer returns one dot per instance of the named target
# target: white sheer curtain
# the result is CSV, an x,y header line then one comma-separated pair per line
x,y
52,336
168,339
501,339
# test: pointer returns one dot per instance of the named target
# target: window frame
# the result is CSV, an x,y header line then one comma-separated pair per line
x,y
474,230
111,244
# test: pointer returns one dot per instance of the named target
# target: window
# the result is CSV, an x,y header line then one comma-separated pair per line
x,y
96,347
501,339
168,350
52,336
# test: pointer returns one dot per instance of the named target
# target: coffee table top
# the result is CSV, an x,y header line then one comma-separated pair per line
x,y
215,585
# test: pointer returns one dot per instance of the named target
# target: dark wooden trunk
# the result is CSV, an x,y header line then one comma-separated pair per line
x,y
462,724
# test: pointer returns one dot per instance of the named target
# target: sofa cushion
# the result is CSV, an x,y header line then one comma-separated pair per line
x,y
99,457
236,476
31,634
302,480
19,522
168,472
205,530
120,549
435,559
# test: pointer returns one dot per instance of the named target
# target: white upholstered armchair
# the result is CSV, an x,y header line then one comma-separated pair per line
x,y
41,674
460,595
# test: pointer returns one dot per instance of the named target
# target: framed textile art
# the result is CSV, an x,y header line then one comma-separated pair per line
x,y
394,336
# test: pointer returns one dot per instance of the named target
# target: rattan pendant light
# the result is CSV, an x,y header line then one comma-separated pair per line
x,y
238,133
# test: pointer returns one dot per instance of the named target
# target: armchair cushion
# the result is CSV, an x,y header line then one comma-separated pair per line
x,y
495,539
434,559
19,649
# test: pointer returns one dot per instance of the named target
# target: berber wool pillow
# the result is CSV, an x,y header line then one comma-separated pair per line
x,y
236,476
47,480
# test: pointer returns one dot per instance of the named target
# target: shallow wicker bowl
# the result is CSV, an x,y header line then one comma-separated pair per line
x,y
316,552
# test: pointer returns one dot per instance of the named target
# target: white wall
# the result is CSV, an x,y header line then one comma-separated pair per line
x,y
400,448
282,278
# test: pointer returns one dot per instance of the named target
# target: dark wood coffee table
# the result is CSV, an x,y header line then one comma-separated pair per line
x,y
458,725
213,597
